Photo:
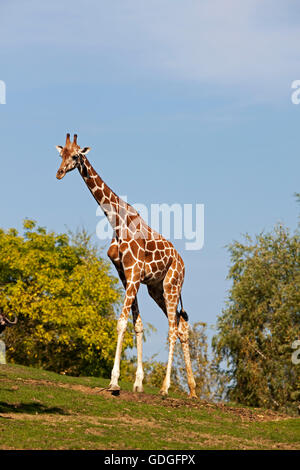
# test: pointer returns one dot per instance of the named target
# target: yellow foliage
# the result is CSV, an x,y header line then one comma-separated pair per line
x,y
65,298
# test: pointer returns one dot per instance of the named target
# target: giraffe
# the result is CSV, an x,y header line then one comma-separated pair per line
x,y
141,256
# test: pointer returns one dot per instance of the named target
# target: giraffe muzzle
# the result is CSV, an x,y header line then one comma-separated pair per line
x,y
60,174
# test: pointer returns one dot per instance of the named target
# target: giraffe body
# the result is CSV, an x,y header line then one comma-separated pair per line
x,y
141,256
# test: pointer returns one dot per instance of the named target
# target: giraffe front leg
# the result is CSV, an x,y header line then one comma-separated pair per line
x,y
131,291
139,376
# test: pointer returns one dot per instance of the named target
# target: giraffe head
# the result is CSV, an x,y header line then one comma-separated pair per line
x,y
71,155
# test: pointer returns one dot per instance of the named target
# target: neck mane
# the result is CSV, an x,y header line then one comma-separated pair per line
x,y
123,218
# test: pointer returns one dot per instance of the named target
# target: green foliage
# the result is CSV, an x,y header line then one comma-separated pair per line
x,y
261,321
155,372
64,296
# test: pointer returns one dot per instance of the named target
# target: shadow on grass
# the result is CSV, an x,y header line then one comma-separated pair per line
x,y
30,408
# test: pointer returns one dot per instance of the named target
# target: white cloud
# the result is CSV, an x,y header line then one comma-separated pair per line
x,y
249,43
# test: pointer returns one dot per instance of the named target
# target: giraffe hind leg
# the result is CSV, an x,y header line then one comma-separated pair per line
x,y
178,327
183,333
171,292
171,296
181,314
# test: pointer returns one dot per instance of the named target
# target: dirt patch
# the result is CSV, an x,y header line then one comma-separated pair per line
x,y
245,414
37,417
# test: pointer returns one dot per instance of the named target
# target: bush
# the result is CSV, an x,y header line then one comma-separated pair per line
x,y
65,298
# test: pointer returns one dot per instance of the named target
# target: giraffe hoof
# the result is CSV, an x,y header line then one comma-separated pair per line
x,y
193,396
138,389
113,388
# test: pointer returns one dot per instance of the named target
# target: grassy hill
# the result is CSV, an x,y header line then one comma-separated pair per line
x,y
43,410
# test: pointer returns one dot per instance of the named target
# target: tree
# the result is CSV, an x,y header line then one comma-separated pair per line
x,y
65,298
261,320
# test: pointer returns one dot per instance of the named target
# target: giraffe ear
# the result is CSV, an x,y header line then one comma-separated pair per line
x,y
85,150
59,148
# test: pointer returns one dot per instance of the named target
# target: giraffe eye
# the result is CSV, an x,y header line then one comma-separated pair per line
x,y
75,157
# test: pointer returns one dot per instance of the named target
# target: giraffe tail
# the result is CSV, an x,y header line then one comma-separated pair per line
x,y
182,313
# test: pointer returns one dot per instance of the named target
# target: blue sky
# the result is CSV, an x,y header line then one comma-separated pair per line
x,y
181,102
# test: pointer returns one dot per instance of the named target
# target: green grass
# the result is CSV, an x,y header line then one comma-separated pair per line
x,y
43,410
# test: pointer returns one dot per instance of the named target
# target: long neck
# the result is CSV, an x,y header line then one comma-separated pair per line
x,y
119,213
